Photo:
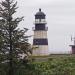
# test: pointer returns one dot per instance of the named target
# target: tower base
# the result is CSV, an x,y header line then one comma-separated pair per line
x,y
41,50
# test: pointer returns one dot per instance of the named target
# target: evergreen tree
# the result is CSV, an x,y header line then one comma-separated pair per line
x,y
14,46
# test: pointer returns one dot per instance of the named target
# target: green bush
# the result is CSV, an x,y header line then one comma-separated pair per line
x,y
55,66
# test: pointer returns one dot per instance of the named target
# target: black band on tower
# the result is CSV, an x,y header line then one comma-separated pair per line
x,y
40,27
40,42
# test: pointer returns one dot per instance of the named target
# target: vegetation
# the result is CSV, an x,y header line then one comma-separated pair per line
x,y
14,46
61,65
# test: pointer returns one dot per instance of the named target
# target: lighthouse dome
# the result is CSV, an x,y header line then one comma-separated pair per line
x,y
40,15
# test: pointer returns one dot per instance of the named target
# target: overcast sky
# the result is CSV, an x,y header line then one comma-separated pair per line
x,y
60,17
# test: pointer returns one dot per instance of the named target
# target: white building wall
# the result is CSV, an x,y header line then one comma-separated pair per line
x,y
40,34
41,50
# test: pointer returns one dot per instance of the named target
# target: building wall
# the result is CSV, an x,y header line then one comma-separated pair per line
x,y
40,50
40,34
73,49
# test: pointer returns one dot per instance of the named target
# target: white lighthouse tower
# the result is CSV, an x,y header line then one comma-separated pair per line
x,y
40,35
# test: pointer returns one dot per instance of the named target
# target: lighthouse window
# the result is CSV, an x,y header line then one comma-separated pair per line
x,y
43,20
39,17
37,20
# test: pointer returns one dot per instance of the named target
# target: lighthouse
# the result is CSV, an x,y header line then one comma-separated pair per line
x,y
40,40
73,46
